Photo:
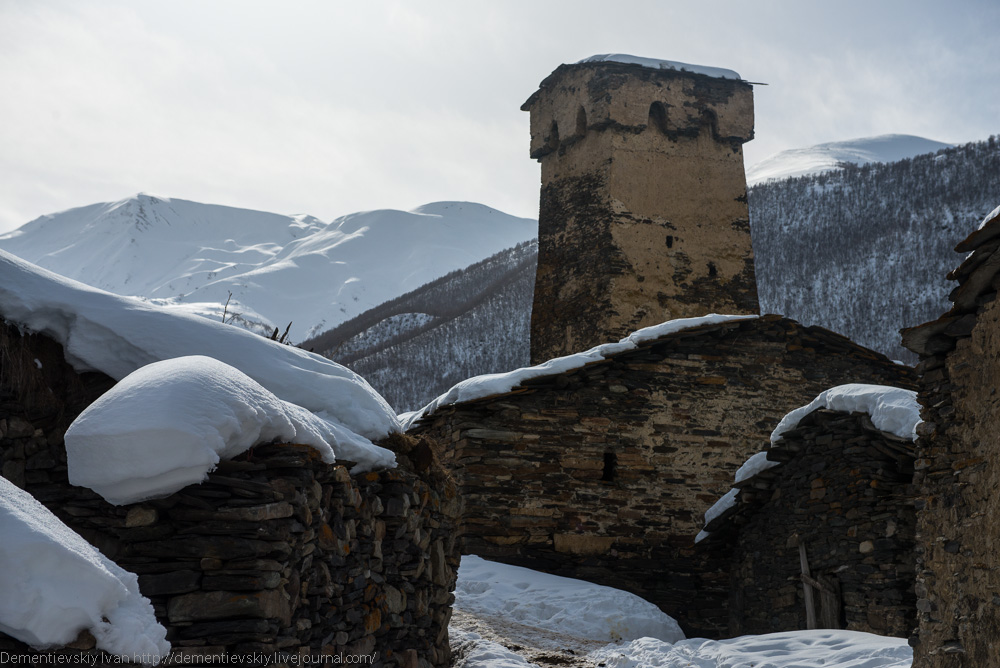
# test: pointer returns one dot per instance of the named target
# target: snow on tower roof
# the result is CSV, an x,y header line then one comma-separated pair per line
x,y
117,335
657,64
166,426
491,384
55,584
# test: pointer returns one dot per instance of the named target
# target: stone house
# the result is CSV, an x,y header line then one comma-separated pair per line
x,y
278,552
603,471
958,468
823,537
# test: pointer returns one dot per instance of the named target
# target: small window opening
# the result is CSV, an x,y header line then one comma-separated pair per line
x,y
610,467
658,117
552,141
670,241
581,122
712,271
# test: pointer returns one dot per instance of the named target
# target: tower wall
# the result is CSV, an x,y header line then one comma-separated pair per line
x,y
643,215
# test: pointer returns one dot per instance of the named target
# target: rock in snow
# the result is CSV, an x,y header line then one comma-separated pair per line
x,y
55,584
166,425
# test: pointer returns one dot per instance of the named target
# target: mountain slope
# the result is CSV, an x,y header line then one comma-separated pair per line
x,y
864,250
467,323
277,268
830,156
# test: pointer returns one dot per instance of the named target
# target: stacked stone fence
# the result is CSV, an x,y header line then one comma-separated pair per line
x,y
277,554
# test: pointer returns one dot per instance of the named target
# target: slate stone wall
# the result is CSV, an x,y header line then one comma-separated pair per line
x,y
843,490
604,473
958,467
277,553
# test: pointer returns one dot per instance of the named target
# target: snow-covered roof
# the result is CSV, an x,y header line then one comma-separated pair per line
x,y
55,585
657,64
891,409
117,335
166,426
990,216
491,384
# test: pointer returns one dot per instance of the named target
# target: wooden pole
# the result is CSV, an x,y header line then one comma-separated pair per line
x,y
807,589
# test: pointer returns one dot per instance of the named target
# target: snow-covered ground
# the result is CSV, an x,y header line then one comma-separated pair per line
x,y
278,268
510,617
795,649
829,156
55,585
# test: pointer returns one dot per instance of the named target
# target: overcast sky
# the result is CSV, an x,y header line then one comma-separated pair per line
x,y
326,107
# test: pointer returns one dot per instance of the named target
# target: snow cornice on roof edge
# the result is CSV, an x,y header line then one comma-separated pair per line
x,y
892,410
657,64
480,387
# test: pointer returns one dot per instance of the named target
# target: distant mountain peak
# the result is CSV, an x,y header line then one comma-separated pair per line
x,y
269,268
831,155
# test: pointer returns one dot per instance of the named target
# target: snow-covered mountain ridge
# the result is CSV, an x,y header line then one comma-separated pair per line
x,y
278,268
831,155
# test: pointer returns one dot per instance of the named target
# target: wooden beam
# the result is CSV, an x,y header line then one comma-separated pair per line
x,y
807,589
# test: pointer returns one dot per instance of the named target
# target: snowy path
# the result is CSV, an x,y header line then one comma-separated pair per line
x,y
535,646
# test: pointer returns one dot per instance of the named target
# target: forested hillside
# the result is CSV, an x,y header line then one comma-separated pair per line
x,y
469,322
864,250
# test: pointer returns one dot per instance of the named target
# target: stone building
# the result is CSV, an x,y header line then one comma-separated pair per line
x,y
603,470
600,465
958,468
823,537
643,211
278,552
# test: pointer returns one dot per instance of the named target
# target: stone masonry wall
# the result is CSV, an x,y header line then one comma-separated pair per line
x,y
643,213
958,470
604,473
277,552
844,491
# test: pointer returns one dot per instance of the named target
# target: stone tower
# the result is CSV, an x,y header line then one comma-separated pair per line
x,y
643,215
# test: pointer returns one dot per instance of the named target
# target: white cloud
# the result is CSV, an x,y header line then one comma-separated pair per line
x,y
327,108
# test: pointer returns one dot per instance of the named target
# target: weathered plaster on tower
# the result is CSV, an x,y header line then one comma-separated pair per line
x,y
643,215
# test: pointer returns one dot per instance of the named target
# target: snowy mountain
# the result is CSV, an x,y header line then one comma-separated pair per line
x,y
864,250
830,156
277,268
476,318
